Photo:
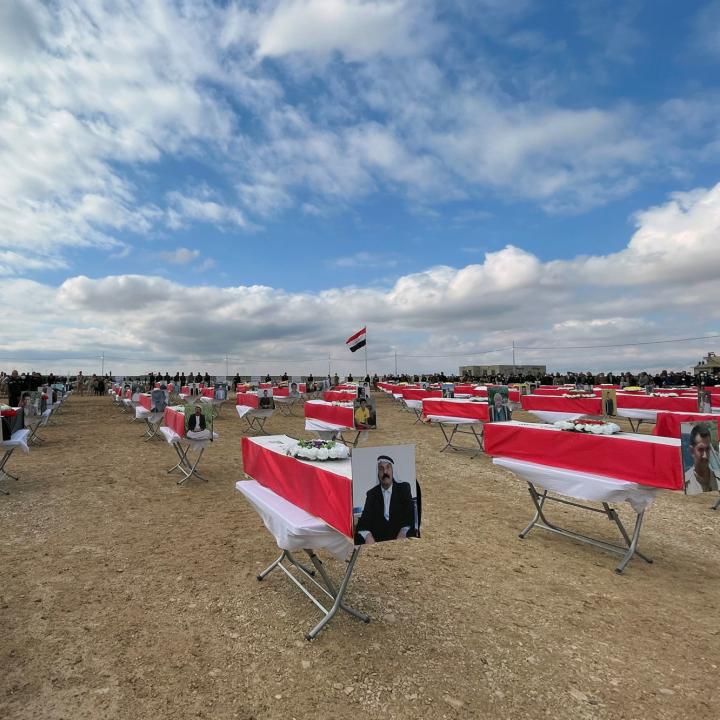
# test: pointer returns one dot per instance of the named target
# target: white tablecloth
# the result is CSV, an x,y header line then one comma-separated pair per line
x,y
315,425
582,486
195,445
551,416
635,414
446,420
142,413
292,527
18,439
243,410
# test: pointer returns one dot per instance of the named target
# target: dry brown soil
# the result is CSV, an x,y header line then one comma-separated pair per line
x,y
124,595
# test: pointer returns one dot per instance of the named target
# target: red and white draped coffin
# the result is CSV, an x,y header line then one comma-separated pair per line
x,y
646,407
339,395
454,411
552,408
322,416
323,489
645,460
246,399
668,424
175,420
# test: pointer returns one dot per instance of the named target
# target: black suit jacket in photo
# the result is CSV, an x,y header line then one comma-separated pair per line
x,y
191,422
402,513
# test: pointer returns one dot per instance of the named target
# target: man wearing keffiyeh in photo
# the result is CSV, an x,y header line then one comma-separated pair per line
x,y
389,513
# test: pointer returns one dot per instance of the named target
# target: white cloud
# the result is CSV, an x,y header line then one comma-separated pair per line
x,y
181,256
662,285
363,259
359,29
183,208
312,104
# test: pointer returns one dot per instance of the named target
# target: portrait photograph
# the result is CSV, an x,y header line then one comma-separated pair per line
x,y
265,399
608,398
704,401
448,390
386,494
364,413
499,403
700,457
199,421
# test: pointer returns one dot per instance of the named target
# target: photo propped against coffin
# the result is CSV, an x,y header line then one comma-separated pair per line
x,y
199,421
498,400
608,398
32,403
364,413
265,399
704,401
700,457
220,387
386,494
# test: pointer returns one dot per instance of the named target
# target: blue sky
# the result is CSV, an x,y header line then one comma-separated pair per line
x,y
362,162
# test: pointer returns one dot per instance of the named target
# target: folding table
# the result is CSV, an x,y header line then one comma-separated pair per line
x,y
457,413
286,403
183,446
254,417
19,439
296,528
412,399
152,420
35,423
603,468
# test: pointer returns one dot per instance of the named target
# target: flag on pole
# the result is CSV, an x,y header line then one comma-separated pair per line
x,y
356,341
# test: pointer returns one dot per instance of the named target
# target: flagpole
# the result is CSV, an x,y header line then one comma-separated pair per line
x,y
366,370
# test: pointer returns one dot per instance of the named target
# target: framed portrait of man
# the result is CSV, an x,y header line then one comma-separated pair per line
x,y
498,398
386,494
704,401
700,457
608,397
448,390
265,399
199,421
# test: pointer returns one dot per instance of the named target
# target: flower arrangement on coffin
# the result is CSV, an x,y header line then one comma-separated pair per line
x,y
335,403
631,388
578,395
319,450
594,427
664,394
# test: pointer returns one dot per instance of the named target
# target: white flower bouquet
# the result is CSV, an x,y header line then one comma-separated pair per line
x,y
594,427
319,450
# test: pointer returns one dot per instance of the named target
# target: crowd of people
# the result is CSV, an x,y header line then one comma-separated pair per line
x,y
14,383
665,378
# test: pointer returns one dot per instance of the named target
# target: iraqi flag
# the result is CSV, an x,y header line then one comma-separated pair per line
x,y
357,341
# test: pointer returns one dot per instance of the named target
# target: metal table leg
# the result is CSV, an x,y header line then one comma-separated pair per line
x,y
5,473
327,588
627,551
456,430
448,440
187,468
635,424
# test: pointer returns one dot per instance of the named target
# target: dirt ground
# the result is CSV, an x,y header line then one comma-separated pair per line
x,y
123,595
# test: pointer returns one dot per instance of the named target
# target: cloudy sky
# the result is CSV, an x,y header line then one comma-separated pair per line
x,y
259,179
